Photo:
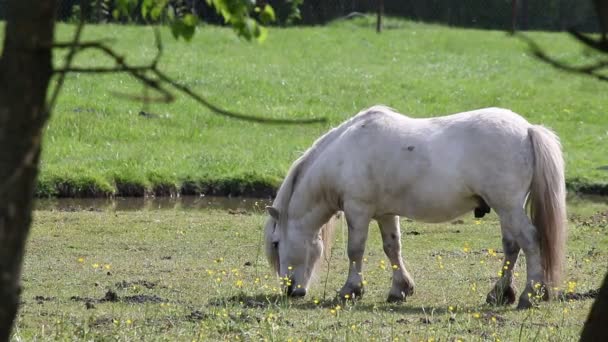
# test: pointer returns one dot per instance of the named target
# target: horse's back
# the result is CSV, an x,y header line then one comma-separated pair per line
x,y
421,167
489,147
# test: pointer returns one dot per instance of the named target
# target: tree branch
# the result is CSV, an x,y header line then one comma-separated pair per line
x,y
590,70
599,45
141,73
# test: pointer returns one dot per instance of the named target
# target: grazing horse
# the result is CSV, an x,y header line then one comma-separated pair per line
x,y
380,165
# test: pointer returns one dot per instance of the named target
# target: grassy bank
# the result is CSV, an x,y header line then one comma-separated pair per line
x,y
97,144
180,275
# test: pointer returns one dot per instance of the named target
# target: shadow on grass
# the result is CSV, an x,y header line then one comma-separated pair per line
x,y
263,301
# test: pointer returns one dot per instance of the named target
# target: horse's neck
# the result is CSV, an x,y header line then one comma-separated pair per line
x,y
309,208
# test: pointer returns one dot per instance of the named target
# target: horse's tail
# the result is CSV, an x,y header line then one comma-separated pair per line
x,y
548,201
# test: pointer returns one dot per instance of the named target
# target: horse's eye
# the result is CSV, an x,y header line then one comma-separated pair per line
x,y
275,244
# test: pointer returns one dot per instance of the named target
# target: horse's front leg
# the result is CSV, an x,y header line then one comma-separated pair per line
x,y
358,226
403,284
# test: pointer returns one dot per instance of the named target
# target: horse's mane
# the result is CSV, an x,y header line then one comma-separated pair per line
x,y
303,163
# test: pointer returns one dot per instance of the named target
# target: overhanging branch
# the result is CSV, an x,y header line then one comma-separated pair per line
x,y
158,82
593,70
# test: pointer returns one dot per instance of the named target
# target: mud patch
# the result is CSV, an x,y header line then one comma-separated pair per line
x,y
196,316
127,284
256,302
142,299
238,211
426,320
403,321
42,299
111,296
599,219
102,321
566,297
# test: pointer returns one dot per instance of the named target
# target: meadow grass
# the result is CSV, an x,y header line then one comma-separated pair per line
x,y
198,275
97,143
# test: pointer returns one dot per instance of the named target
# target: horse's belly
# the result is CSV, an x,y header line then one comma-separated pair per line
x,y
436,209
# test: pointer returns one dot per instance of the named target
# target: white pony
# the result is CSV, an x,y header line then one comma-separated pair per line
x,y
381,165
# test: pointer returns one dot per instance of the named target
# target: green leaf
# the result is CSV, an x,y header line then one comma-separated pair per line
x,y
146,5
190,20
184,27
267,15
263,34
156,12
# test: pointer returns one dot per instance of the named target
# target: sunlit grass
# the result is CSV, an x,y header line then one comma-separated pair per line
x,y
201,275
97,141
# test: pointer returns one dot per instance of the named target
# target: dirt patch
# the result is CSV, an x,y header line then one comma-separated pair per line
x,y
141,299
426,320
599,219
196,316
164,189
42,299
238,211
257,302
127,189
111,296
101,321
566,297
127,284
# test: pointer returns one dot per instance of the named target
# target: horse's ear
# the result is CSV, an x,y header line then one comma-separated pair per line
x,y
273,212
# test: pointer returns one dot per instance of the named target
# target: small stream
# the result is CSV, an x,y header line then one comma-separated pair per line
x,y
152,203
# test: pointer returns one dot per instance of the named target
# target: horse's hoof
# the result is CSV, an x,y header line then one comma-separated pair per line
x,y
393,298
299,292
504,297
524,304
351,294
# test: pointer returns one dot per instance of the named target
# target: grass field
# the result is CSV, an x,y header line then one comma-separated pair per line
x,y
187,275
97,143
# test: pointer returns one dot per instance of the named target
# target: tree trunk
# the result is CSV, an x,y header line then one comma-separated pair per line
x,y
595,326
513,15
380,14
25,70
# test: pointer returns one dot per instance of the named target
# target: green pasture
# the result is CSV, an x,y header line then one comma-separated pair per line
x,y
97,143
200,275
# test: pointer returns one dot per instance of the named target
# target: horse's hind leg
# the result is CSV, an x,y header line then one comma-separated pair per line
x,y
403,285
518,225
504,291
358,226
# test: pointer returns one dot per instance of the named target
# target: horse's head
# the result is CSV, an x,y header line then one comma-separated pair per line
x,y
293,251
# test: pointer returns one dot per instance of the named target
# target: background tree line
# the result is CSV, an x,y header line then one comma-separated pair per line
x,y
494,14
